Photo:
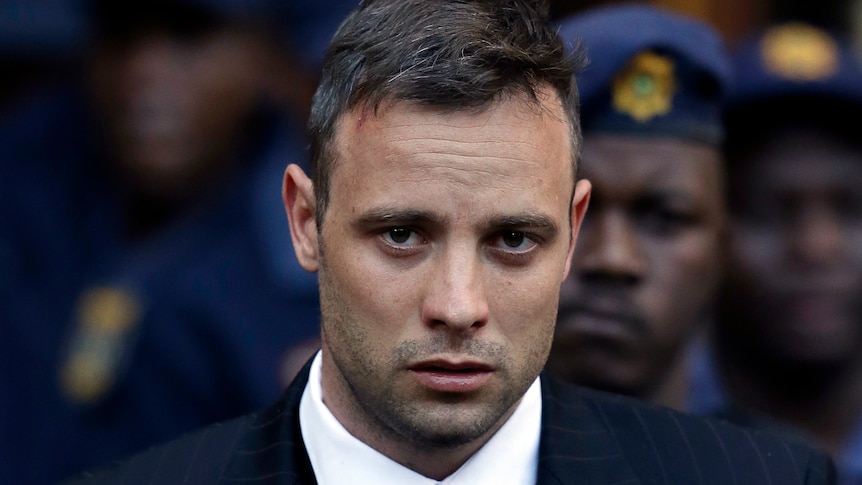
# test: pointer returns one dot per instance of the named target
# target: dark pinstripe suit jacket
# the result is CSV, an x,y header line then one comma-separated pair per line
x,y
587,438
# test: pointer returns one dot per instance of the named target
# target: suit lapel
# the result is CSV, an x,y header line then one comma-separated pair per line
x,y
576,446
271,447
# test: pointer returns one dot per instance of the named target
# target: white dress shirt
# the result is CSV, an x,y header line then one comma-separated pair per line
x,y
510,457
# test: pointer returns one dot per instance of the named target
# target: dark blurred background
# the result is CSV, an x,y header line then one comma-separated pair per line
x,y
41,40
736,19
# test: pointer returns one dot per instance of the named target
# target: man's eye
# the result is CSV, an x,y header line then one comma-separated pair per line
x,y
667,221
513,239
401,236
516,242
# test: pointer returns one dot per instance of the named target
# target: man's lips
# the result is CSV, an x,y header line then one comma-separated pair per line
x,y
452,376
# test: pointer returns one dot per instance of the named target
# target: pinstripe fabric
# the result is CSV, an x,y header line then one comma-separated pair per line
x,y
588,438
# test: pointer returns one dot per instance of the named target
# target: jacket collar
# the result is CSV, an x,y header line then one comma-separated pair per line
x,y
274,434
577,446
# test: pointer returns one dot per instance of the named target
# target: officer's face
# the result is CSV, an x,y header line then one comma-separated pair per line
x,y
647,263
174,102
442,251
795,284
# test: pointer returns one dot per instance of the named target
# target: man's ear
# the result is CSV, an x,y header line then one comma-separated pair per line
x,y
297,192
580,202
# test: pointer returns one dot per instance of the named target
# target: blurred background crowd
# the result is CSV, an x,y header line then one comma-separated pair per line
x,y
147,280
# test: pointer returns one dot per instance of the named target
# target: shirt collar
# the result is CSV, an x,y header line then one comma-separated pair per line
x,y
509,457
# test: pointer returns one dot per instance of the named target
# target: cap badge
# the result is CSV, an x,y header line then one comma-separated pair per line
x,y
105,318
799,52
644,88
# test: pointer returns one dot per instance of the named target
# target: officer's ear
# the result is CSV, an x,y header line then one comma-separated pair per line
x,y
297,192
580,202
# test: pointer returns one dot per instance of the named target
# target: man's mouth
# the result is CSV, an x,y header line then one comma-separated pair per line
x,y
451,376
601,323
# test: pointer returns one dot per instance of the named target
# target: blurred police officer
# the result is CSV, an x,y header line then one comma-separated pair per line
x,y
143,295
644,276
789,336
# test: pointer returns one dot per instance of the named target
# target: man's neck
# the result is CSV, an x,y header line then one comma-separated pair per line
x,y
509,456
672,391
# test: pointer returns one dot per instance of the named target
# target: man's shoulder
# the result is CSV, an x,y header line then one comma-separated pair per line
x,y
678,447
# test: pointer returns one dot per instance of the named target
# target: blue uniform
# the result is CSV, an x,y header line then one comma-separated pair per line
x,y
109,347
708,397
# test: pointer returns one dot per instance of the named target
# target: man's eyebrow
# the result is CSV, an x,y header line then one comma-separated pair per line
x,y
664,194
536,222
396,216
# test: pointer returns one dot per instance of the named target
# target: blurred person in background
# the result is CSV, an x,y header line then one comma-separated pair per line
x,y
787,349
145,289
645,273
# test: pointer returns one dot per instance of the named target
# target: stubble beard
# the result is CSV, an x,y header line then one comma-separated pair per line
x,y
398,415
368,384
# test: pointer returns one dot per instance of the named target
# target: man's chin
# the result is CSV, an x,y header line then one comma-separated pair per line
x,y
451,426
616,383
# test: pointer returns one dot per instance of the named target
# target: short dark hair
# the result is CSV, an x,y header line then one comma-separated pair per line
x,y
451,54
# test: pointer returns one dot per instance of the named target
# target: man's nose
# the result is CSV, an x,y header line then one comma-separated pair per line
x,y
818,237
609,251
456,294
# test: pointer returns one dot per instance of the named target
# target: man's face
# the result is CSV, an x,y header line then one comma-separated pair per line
x,y
647,263
795,282
442,251
175,102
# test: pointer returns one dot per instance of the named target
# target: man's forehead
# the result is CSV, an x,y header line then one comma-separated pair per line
x,y
654,159
414,155
544,100
389,124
